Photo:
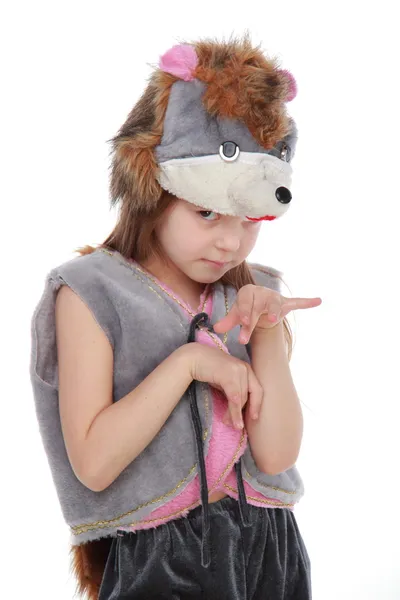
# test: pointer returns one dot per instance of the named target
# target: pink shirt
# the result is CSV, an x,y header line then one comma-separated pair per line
x,y
225,443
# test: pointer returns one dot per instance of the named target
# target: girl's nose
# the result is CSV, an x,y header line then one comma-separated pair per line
x,y
228,243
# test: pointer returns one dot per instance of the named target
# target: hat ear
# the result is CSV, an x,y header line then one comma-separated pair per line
x,y
180,61
292,92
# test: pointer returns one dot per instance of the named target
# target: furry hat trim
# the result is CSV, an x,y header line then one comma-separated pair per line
x,y
222,100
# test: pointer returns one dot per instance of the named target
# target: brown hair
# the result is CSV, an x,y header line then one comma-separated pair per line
x,y
134,237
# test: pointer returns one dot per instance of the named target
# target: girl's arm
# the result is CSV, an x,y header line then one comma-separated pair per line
x,y
275,438
124,429
102,438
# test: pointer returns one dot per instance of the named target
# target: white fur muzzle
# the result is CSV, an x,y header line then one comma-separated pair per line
x,y
243,188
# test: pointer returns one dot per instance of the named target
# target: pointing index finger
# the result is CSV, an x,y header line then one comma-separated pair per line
x,y
294,303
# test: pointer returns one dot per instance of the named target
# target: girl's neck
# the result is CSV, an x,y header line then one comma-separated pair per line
x,y
187,289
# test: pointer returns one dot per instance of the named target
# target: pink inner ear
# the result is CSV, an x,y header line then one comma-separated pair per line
x,y
292,84
180,61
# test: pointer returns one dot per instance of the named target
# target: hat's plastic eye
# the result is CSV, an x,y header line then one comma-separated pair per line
x,y
229,151
285,152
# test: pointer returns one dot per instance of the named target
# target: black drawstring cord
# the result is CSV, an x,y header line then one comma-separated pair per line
x,y
243,505
205,542
202,318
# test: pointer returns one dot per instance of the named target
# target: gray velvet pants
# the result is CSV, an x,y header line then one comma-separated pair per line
x,y
267,560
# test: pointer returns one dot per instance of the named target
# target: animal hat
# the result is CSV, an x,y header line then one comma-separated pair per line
x,y
211,128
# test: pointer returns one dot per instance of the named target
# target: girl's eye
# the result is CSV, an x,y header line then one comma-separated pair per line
x,y
205,213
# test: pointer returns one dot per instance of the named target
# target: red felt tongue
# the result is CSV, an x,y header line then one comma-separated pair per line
x,y
266,218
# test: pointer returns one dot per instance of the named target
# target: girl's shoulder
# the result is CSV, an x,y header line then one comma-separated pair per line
x,y
267,276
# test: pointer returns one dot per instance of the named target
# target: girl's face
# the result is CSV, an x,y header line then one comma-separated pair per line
x,y
191,237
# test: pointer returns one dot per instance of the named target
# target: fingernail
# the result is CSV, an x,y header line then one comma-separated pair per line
x,y
239,425
255,416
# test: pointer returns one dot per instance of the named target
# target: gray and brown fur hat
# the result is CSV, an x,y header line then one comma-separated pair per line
x,y
212,128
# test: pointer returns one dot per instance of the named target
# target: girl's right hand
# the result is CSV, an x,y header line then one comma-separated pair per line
x,y
234,377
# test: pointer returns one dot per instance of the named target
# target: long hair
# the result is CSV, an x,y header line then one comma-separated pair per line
x,y
134,237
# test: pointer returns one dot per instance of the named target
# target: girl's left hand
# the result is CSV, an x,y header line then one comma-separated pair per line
x,y
258,308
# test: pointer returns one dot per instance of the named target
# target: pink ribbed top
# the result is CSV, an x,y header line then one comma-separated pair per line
x,y
225,443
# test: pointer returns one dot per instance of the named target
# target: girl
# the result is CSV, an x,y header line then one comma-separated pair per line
x,y
160,359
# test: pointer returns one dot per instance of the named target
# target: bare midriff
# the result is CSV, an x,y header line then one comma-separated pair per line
x,y
216,496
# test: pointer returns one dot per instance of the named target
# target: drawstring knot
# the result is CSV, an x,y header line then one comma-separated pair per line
x,y
203,319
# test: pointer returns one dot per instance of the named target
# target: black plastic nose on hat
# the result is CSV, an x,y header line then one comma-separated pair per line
x,y
283,195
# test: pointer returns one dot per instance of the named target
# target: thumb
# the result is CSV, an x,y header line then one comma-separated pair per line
x,y
228,322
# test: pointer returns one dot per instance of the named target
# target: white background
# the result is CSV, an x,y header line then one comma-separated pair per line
x,y
71,71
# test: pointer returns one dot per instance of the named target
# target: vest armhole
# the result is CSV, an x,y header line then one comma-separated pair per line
x,y
43,360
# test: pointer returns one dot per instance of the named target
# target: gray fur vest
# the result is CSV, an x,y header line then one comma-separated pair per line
x,y
144,325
